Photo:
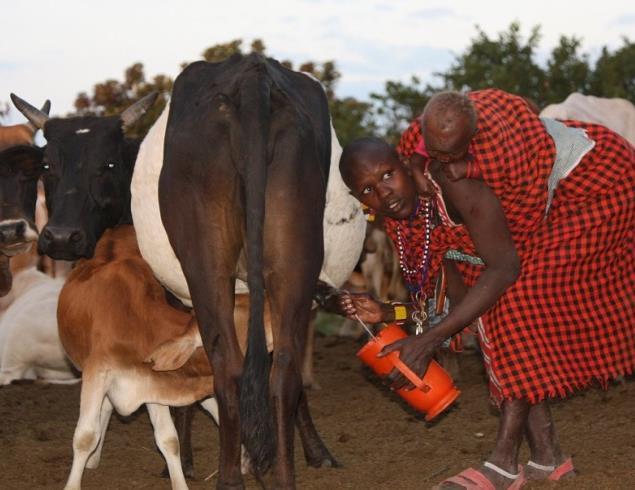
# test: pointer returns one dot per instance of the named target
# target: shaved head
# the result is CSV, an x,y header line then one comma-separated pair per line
x,y
372,170
448,122
361,150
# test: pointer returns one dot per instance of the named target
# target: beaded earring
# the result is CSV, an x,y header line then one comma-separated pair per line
x,y
369,212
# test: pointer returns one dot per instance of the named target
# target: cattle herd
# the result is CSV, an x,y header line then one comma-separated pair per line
x,y
198,251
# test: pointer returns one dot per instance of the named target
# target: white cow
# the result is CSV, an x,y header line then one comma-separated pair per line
x,y
616,114
344,226
30,347
344,222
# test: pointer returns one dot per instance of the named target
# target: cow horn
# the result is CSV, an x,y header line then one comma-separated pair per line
x,y
46,107
132,114
35,116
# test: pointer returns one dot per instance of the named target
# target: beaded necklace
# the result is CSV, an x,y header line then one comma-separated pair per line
x,y
411,237
412,240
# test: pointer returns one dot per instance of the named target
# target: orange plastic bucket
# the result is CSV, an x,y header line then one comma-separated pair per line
x,y
432,394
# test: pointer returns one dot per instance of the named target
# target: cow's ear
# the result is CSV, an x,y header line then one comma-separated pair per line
x,y
23,158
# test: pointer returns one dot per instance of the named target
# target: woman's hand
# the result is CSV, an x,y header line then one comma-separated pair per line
x,y
416,352
363,306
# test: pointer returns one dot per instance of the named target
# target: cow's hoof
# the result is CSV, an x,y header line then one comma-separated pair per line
x,y
188,472
326,461
230,486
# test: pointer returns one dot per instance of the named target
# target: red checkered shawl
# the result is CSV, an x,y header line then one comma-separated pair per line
x,y
569,319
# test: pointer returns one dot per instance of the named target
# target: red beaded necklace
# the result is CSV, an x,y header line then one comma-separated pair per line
x,y
411,237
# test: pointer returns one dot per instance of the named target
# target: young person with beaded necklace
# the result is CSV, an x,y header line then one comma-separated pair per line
x,y
478,176
404,196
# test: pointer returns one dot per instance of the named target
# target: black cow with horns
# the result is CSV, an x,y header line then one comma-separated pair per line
x,y
87,167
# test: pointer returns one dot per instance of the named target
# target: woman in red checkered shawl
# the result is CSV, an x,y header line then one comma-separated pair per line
x,y
555,296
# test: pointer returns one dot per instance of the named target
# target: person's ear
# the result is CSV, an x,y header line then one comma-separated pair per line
x,y
405,161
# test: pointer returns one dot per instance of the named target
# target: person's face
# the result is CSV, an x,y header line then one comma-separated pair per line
x,y
383,184
448,147
460,155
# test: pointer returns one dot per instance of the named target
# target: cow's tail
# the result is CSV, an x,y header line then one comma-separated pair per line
x,y
256,420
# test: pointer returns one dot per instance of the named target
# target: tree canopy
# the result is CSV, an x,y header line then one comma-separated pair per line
x,y
508,61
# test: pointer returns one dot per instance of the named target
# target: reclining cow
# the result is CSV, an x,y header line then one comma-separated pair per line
x,y
30,347
29,343
614,113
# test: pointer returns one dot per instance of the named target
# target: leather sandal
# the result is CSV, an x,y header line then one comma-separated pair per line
x,y
473,479
555,472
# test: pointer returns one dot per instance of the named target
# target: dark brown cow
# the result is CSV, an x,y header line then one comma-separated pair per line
x,y
20,168
247,153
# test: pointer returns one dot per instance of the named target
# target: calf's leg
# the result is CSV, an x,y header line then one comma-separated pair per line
x,y
104,418
183,417
168,443
88,430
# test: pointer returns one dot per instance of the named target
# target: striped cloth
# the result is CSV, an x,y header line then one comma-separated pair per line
x,y
569,319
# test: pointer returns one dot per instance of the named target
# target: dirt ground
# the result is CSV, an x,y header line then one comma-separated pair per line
x,y
380,444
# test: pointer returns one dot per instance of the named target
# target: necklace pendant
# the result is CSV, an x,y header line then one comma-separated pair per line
x,y
419,317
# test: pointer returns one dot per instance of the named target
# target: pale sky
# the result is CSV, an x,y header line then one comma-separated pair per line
x,y
57,48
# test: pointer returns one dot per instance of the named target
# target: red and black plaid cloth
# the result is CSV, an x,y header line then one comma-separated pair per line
x,y
570,317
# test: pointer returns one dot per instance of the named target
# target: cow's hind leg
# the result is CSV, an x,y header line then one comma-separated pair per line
x,y
307,364
167,442
104,418
211,406
315,451
88,430
209,262
290,307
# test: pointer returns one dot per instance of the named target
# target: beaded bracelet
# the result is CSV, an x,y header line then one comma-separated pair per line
x,y
400,312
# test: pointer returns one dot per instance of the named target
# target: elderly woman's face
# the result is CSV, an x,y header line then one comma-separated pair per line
x,y
384,185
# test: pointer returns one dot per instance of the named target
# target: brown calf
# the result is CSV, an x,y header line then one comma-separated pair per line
x,y
113,317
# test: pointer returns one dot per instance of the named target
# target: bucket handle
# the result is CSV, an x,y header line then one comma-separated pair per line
x,y
409,373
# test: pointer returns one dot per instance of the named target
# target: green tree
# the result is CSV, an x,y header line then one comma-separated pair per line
x,y
506,63
614,74
327,74
567,71
400,104
113,97
352,119
222,51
